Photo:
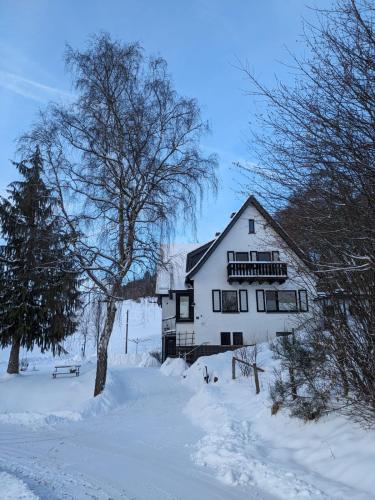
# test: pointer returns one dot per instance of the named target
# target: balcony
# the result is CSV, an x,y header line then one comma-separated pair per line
x,y
257,272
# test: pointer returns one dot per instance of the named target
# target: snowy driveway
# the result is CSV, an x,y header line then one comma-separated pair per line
x,y
141,450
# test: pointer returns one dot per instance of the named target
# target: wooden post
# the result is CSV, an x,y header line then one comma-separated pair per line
x,y
233,368
256,378
127,331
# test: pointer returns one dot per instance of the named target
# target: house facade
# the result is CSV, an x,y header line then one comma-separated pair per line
x,y
246,286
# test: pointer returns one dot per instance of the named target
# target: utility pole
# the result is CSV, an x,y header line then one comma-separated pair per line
x,y
127,331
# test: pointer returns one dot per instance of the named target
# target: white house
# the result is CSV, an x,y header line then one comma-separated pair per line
x,y
246,286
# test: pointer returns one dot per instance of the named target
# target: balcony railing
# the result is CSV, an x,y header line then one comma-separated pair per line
x,y
260,272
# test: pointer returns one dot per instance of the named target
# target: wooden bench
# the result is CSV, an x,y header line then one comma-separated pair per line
x,y
66,370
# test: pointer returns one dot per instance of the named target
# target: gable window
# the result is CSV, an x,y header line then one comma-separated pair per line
x,y
244,306
184,306
229,301
281,301
303,301
225,338
242,256
237,338
251,226
264,256
216,300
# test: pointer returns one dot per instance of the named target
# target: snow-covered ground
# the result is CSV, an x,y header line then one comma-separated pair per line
x,y
163,433
11,487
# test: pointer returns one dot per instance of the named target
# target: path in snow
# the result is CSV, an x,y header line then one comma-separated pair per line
x,y
141,451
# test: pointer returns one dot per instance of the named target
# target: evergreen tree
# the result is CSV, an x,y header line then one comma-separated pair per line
x,y
39,283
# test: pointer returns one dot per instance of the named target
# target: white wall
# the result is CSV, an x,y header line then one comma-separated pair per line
x,y
256,326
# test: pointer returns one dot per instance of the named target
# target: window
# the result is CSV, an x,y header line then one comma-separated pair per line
x,y
281,301
216,300
244,307
264,256
260,301
225,338
251,226
237,338
303,301
254,255
271,300
184,307
229,301
242,256
287,300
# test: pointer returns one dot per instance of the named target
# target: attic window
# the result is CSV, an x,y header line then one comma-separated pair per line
x,y
251,226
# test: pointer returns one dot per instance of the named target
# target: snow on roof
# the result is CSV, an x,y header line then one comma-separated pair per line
x,y
171,276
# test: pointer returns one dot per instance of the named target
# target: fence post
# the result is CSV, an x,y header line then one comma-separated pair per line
x,y
233,368
256,378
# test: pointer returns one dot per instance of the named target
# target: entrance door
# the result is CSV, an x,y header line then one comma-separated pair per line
x,y
169,346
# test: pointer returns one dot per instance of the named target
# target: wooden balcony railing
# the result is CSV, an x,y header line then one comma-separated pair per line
x,y
257,272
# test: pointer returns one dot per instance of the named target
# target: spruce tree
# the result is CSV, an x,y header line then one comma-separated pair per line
x,y
39,283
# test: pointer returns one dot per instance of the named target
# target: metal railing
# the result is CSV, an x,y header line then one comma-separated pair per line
x,y
185,339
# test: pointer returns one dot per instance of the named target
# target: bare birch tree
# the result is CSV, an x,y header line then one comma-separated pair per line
x,y
126,163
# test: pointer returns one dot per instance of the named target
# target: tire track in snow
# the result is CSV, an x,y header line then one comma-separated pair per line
x,y
44,474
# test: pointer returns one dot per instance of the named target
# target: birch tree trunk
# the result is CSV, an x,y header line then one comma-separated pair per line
x,y
14,357
102,350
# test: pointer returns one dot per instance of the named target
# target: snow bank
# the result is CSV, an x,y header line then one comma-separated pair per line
x,y
35,399
244,445
173,367
140,360
12,488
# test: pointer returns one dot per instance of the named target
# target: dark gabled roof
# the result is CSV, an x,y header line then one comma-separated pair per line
x,y
195,255
271,221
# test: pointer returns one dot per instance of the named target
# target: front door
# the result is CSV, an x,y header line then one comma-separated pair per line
x,y
169,346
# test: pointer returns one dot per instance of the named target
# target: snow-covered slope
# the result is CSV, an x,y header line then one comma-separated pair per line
x,y
245,446
144,325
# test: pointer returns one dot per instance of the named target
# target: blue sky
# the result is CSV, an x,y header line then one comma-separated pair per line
x,y
202,41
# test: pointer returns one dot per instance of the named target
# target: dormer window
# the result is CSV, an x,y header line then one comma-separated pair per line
x,y
251,226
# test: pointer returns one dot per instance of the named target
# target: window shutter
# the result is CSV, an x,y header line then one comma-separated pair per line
x,y
230,256
244,305
254,256
261,307
275,256
303,301
216,300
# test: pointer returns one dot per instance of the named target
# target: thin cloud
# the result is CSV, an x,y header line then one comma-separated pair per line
x,y
31,89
